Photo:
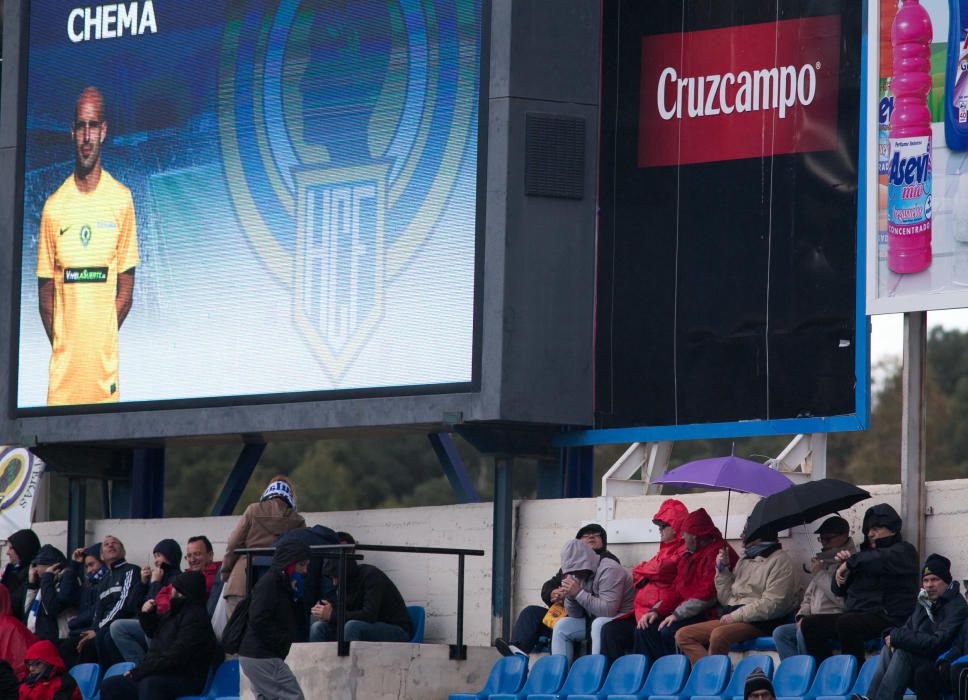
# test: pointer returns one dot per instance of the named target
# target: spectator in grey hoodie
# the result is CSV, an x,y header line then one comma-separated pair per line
x,y
594,587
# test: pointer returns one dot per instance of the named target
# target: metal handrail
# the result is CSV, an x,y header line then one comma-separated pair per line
x,y
344,552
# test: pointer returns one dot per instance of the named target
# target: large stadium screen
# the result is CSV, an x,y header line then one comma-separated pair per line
x,y
240,199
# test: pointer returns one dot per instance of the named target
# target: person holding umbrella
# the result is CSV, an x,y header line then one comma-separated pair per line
x,y
818,599
879,584
754,596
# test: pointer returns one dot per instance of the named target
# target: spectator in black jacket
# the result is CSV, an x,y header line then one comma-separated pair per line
x,y
375,610
911,649
274,613
51,597
22,547
317,586
81,577
879,585
529,626
119,597
182,647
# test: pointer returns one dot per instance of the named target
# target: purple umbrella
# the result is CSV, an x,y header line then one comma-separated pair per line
x,y
732,473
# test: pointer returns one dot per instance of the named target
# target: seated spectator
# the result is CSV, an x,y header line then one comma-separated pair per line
x,y
879,585
259,526
529,626
83,575
183,647
692,596
51,598
120,593
910,651
758,686
22,547
47,678
754,598
15,638
594,587
200,557
652,580
128,635
818,599
375,610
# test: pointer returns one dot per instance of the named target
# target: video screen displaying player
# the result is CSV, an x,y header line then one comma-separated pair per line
x,y
86,259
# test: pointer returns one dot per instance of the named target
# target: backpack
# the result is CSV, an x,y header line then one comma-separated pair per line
x,y
235,629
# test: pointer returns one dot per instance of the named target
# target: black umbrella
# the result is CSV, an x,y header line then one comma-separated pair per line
x,y
802,504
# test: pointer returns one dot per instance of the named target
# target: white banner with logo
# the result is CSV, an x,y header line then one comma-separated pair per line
x,y
20,473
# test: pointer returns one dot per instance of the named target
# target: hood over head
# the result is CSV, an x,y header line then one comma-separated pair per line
x,y
882,515
673,512
45,651
191,584
578,556
699,524
171,551
26,544
289,553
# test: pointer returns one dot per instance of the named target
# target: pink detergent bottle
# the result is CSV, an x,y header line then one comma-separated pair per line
x,y
909,175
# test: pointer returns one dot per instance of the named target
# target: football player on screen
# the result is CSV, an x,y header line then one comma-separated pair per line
x,y
86,256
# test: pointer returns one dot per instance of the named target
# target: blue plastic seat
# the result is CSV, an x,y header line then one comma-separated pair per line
x,y
507,676
794,676
586,676
738,679
418,616
118,669
626,675
708,677
834,677
546,676
666,677
224,683
86,676
861,684
755,644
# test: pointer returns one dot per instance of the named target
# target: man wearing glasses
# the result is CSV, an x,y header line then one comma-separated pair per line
x,y
86,256
818,599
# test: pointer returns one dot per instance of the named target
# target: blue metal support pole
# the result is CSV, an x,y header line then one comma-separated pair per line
x,y
454,469
551,478
148,482
501,556
579,466
238,478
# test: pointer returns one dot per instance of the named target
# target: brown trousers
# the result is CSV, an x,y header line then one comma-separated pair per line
x,y
693,640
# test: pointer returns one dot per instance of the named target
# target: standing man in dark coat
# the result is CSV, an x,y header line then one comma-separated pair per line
x,y
22,547
317,585
879,585
274,612
182,647
911,649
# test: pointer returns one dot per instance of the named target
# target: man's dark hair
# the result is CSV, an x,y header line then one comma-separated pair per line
x,y
202,538
345,538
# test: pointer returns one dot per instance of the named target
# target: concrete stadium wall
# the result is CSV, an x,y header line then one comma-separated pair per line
x,y
540,528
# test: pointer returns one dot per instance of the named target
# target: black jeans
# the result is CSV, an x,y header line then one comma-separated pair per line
x,y
617,637
851,629
528,627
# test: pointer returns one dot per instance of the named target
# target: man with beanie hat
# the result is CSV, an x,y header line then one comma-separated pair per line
x,y
22,547
183,647
754,596
127,635
911,649
692,596
273,624
652,580
81,578
758,686
818,599
529,626
51,600
879,585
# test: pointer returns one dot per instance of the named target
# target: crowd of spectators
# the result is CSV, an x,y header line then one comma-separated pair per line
x,y
697,596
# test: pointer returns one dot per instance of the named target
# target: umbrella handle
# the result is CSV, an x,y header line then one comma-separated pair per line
x,y
729,493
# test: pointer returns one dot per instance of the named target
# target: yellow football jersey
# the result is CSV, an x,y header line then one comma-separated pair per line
x,y
86,239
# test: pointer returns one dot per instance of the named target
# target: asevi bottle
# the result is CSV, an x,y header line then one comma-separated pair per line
x,y
909,172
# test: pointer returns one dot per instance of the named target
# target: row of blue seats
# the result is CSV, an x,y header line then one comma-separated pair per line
x,y
767,644
221,685
669,678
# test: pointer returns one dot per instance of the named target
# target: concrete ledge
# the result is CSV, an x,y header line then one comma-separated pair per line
x,y
385,671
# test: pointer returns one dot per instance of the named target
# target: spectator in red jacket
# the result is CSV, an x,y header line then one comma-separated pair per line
x,y
47,679
652,580
692,596
15,638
